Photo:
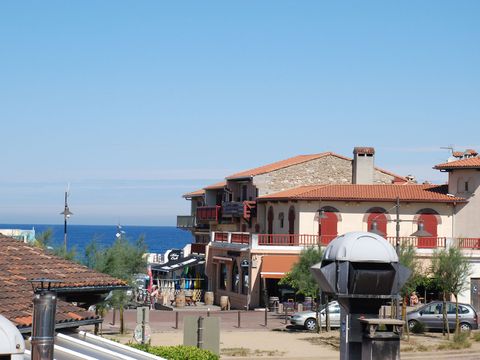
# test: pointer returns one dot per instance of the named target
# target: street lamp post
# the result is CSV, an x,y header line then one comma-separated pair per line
x,y
66,214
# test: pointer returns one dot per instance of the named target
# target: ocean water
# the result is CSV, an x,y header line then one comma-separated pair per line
x,y
157,238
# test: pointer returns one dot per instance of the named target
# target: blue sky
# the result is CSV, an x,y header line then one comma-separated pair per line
x,y
136,103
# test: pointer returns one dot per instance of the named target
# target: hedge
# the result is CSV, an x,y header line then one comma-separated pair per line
x,y
178,352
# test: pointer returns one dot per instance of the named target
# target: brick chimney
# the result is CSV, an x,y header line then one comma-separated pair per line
x,y
363,165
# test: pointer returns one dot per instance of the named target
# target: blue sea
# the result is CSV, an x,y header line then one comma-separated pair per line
x,y
157,238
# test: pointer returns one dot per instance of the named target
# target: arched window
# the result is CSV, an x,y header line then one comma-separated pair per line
x,y
235,278
281,219
291,220
223,277
327,227
430,224
270,220
380,219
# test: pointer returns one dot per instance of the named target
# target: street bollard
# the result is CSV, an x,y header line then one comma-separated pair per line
x,y
238,319
208,312
266,309
286,314
176,319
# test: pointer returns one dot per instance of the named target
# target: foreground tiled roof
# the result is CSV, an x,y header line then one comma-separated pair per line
x,y
349,192
20,262
470,163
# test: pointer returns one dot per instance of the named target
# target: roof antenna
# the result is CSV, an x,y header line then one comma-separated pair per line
x,y
448,148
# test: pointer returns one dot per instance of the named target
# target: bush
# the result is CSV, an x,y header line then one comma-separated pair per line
x,y
460,341
476,337
418,328
179,352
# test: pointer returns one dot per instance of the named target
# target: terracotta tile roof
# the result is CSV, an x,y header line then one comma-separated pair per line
x,y
201,192
279,165
20,262
349,192
470,163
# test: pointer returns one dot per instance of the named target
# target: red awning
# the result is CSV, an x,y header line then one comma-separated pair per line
x,y
275,266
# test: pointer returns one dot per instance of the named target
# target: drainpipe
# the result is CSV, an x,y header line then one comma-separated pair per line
x,y
43,325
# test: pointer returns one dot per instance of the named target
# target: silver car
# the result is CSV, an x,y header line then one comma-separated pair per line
x,y
307,319
431,316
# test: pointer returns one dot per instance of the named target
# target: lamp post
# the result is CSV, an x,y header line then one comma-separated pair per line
x,y
66,214
419,233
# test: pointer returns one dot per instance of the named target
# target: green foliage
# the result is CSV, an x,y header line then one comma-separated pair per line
x,y
460,341
122,260
451,270
44,241
418,328
179,352
407,257
300,278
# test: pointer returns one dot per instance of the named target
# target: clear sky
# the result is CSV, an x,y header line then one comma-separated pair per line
x,y
136,102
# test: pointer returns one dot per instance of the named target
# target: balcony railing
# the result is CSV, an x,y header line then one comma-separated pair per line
x,y
185,221
232,237
305,240
208,213
421,242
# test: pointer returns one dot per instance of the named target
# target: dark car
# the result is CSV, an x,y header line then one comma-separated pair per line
x,y
431,316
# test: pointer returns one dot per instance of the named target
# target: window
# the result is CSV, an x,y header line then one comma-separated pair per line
x,y
466,186
281,218
244,192
245,280
433,309
223,277
291,220
235,278
270,220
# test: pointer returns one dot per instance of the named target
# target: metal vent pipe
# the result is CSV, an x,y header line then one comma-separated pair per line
x,y
43,324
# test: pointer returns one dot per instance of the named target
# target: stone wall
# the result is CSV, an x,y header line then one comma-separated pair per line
x,y
329,169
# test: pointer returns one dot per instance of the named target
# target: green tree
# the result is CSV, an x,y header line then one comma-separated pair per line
x,y
407,257
44,241
121,260
451,270
301,279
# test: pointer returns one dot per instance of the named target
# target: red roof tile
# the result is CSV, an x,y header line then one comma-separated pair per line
x,y
470,163
349,192
20,262
201,192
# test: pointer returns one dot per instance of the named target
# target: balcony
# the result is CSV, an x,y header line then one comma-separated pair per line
x,y
208,213
245,209
232,237
306,240
198,248
185,221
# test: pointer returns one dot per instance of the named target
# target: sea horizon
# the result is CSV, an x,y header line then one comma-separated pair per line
x,y
157,239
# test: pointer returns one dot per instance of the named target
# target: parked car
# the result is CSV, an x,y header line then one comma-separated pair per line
x,y
308,319
431,316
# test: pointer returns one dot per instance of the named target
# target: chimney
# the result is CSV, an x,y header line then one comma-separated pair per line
x,y
363,165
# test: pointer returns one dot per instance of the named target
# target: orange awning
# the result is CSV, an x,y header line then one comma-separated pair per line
x,y
275,266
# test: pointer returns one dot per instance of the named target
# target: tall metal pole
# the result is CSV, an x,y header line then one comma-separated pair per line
x,y
397,249
65,224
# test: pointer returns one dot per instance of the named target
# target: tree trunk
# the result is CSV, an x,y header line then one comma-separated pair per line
x,y
404,317
327,314
122,324
457,320
319,320
445,319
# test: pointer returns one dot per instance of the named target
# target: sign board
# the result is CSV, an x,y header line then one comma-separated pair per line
x,y
142,333
140,314
211,332
174,255
244,263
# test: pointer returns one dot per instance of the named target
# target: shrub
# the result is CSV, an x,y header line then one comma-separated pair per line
x,y
179,352
476,336
418,328
460,341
